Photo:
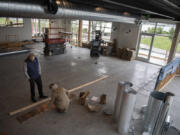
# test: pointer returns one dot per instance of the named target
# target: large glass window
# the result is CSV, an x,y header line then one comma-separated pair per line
x,y
105,28
38,26
148,28
178,50
156,38
85,28
75,27
11,22
44,23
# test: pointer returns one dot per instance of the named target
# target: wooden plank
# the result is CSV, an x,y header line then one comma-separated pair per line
x,y
29,106
48,99
87,84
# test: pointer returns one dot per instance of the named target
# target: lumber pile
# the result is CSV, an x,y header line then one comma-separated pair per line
x,y
126,54
14,45
27,42
10,45
86,45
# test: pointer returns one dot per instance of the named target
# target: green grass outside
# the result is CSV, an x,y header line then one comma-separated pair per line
x,y
160,42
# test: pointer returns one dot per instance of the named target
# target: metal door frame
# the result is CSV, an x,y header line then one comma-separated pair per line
x,y
151,45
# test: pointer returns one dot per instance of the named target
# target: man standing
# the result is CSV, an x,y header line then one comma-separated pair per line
x,y
32,71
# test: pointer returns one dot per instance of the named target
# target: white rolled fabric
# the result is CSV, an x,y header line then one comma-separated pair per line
x,y
118,100
126,110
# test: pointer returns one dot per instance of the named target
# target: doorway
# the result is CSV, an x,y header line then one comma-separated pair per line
x,y
144,50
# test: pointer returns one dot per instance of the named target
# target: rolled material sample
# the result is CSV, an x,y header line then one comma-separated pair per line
x,y
161,121
154,106
117,106
126,110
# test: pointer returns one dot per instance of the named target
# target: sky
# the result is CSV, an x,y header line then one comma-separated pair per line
x,y
166,27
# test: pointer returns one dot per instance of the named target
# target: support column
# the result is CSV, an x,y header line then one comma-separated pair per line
x,y
80,33
175,42
39,23
89,31
32,23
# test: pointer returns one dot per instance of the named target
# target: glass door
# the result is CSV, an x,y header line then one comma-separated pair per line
x,y
155,42
145,47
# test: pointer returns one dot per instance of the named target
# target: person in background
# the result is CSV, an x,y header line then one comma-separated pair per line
x,y
32,70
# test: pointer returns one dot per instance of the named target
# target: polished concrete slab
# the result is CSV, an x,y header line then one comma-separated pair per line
x,y
70,70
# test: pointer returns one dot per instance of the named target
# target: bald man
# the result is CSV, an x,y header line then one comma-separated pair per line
x,y
32,69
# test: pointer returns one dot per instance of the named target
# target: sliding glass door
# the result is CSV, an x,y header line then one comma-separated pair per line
x,y
145,46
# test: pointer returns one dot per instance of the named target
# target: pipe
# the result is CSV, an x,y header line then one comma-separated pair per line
x,y
136,8
172,4
37,10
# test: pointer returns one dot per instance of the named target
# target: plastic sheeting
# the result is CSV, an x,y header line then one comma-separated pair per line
x,y
124,105
170,68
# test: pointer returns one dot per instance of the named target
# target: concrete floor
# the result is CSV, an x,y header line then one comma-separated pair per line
x,y
70,70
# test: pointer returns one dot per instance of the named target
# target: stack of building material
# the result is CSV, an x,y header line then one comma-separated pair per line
x,y
9,48
126,54
85,45
9,45
27,42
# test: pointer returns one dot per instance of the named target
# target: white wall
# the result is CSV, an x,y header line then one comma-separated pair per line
x,y
60,23
8,34
125,34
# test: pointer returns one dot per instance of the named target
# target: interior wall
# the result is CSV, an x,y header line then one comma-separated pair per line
x,y
11,34
126,35
60,23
